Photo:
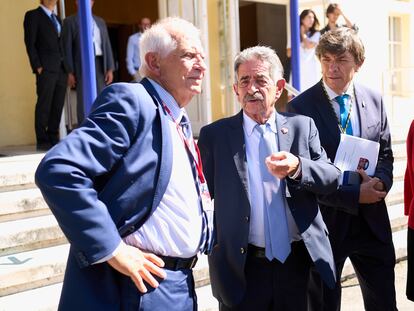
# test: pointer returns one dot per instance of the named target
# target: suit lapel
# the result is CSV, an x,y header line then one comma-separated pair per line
x,y
326,113
235,137
283,133
361,110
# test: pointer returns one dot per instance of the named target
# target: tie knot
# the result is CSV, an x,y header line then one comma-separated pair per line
x,y
185,125
342,99
261,128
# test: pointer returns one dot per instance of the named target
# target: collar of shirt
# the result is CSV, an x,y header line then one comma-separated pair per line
x,y
249,124
47,11
169,101
332,94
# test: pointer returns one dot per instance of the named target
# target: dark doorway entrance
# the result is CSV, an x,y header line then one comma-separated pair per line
x,y
265,24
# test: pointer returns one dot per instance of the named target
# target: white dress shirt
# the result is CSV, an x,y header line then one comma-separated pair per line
x,y
175,227
97,39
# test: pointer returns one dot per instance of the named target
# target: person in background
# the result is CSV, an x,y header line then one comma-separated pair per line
x,y
356,213
127,189
42,30
104,61
264,170
310,68
409,211
132,55
333,12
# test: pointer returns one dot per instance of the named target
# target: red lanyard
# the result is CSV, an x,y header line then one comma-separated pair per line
x,y
197,162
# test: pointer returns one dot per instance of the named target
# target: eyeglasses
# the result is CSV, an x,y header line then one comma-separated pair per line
x,y
262,81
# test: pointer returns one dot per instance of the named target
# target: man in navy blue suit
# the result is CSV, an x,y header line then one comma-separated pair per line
x,y
261,262
43,44
356,214
127,189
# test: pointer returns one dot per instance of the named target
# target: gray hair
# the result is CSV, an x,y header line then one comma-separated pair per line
x,y
163,38
263,53
339,41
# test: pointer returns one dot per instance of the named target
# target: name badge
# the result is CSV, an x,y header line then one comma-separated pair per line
x,y
206,198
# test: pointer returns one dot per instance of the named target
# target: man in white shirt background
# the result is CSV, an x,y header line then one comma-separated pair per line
x,y
132,56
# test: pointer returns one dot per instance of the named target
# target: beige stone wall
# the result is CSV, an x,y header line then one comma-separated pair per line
x,y
17,83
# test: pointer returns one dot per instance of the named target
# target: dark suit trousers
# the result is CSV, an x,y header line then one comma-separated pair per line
x,y
273,286
175,292
51,90
373,262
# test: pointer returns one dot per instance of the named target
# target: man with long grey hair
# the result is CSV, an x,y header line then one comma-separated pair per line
x,y
127,189
263,169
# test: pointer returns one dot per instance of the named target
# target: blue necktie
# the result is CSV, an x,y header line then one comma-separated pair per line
x,y
208,215
344,113
276,229
55,22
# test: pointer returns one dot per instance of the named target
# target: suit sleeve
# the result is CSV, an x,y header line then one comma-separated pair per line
x,y
107,48
67,37
207,158
67,173
31,26
385,157
319,175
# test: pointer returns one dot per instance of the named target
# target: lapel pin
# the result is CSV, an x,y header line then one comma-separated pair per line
x,y
284,130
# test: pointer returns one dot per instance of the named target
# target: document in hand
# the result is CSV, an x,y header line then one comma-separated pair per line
x,y
354,152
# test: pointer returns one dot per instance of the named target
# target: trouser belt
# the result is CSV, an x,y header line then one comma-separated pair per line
x,y
176,263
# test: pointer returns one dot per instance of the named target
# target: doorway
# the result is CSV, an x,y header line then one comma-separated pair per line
x,y
265,24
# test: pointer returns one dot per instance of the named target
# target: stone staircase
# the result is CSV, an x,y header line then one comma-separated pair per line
x,y
33,250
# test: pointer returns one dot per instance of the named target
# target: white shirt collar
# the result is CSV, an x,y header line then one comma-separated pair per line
x,y
249,124
169,101
47,11
332,94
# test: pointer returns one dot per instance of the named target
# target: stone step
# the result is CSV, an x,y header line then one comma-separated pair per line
x,y
46,266
22,204
17,172
39,299
28,234
28,270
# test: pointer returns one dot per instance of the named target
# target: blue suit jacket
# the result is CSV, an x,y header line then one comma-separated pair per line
x,y
339,207
223,154
101,183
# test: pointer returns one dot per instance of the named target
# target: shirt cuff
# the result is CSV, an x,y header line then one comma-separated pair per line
x,y
113,254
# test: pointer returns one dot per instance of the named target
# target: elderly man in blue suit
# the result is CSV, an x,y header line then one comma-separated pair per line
x,y
125,189
264,170
356,214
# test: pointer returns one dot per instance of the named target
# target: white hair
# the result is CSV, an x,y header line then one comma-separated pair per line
x,y
163,38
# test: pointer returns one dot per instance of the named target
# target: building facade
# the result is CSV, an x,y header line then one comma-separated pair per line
x,y
385,26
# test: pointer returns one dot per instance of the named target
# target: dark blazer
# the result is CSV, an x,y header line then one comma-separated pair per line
x,y
72,47
338,207
102,182
42,41
222,148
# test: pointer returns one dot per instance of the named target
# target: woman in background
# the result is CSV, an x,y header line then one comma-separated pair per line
x,y
310,68
409,211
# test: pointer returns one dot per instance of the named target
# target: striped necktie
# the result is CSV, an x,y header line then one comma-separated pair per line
x,y
55,22
208,214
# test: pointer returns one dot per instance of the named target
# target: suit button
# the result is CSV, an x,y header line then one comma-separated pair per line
x,y
247,218
242,250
